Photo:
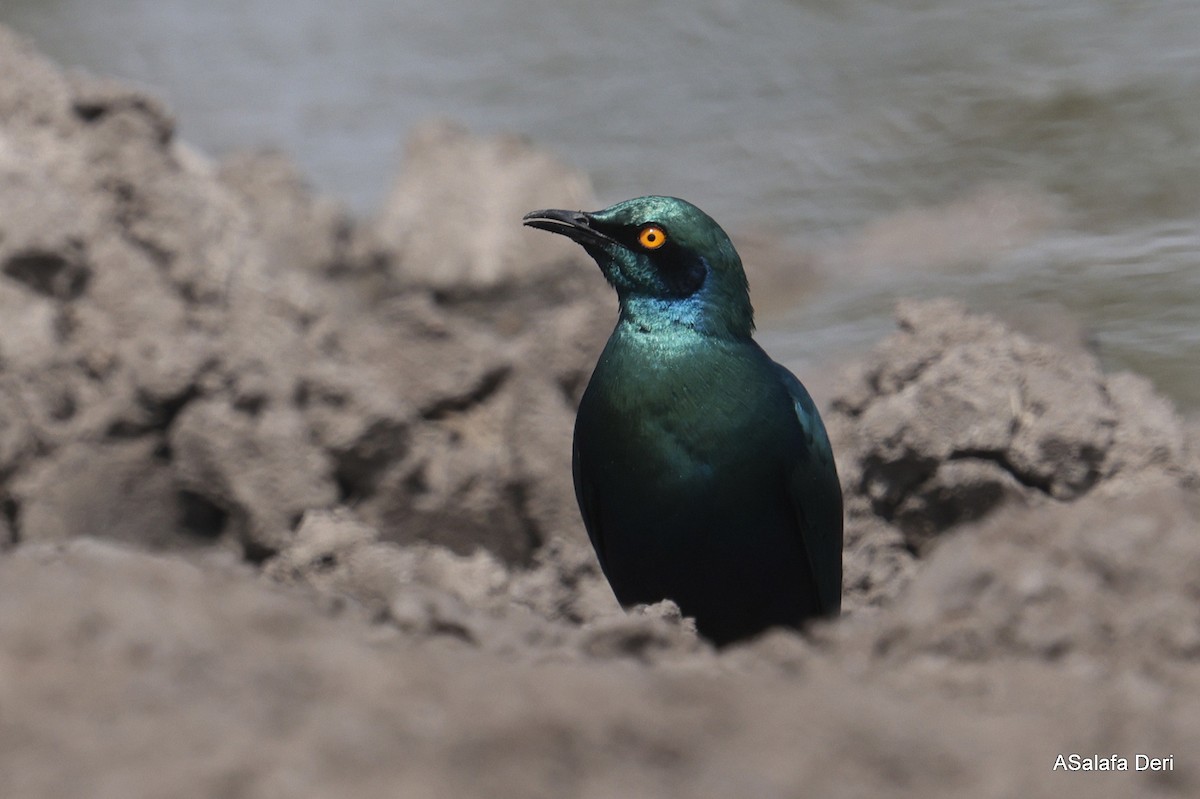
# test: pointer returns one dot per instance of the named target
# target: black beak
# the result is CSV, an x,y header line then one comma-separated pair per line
x,y
574,225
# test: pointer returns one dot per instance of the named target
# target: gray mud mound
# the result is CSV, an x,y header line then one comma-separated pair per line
x,y
955,415
132,674
212,345
286,509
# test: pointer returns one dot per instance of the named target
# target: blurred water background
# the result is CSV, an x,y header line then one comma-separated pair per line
x,y
1018,154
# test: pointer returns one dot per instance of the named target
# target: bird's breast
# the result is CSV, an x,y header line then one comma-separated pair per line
x,y
672,416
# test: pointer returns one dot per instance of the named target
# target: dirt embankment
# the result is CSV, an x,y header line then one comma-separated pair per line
x,y
286,508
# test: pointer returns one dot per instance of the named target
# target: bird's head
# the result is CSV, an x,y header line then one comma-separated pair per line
x,y
670,263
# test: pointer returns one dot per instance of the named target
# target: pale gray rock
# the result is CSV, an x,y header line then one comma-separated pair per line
x,y
257,684
138,279
956,415
452,219
260,468
121,490
300,229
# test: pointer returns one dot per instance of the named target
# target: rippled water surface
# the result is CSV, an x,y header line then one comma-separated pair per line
x,y
1002,152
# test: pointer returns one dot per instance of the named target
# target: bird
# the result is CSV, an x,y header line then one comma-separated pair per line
x,y
702,469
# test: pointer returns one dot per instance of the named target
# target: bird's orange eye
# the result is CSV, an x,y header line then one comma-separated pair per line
x,y
652,237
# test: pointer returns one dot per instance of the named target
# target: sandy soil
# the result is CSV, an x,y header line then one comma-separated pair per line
x,y
285,510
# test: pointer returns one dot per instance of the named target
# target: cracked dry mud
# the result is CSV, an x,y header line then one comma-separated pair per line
x,y
286,508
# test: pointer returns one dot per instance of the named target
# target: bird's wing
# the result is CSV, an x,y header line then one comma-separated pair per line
x,y
585,496
816,497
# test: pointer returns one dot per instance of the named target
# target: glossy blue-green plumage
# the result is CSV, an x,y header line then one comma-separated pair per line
x,y
702,469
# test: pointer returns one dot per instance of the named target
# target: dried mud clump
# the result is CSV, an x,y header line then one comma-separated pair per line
x,y
955,416
205,352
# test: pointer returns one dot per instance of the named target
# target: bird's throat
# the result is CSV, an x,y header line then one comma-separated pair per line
x,y
696,314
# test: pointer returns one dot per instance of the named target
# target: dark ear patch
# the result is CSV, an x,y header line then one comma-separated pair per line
x,y
682,272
